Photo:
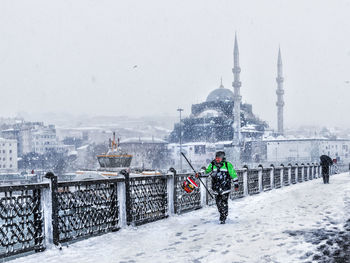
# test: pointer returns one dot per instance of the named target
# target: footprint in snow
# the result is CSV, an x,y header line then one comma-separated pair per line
x,y
175,243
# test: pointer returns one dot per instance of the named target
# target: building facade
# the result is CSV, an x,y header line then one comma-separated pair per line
x,y
148,153
8,155
282,150
34,137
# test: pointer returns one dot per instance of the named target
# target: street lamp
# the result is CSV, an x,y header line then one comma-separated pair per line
x,y
180,110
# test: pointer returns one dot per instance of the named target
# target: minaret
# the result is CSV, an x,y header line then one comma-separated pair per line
x,y
237,98
279,92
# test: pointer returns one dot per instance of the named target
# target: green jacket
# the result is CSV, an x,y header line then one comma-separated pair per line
x,y
229,169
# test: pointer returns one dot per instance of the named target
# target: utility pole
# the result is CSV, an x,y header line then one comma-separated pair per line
x,y
180,110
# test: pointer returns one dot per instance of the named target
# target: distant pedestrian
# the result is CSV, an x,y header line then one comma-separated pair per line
x,y
326,162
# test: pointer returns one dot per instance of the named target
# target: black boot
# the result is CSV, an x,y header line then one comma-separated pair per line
x,y
222,219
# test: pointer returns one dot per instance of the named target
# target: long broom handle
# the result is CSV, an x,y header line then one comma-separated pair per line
x,y
195,173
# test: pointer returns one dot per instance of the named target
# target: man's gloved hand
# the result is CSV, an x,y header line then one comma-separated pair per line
x,y
236,185
197,175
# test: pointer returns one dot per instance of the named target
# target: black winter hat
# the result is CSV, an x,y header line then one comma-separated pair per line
x,y
220,154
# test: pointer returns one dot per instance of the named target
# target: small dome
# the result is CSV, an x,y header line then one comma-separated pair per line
x,y
220,94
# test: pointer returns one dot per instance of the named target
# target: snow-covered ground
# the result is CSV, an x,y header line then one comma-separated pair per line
x,y
270,227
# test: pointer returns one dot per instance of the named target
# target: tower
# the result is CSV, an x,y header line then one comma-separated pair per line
x,y
237,98
279,92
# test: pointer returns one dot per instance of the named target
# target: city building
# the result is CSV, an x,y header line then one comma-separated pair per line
x,y
8,155
148,153
295,150
34,137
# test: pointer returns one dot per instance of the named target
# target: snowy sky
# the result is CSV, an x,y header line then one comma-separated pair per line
x,y
79,56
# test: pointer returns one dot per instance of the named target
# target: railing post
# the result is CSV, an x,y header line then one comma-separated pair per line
x,y
272,172
121,190
245,181
289,174
171,191
204,194
302,172
46,205
54,206
127,197
38,222
260,179
281,176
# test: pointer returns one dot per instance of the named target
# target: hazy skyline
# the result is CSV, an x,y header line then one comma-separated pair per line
x,y
149,57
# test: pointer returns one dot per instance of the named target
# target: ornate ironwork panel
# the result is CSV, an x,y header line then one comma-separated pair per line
x,y
300,176
86,208
149,200
21,219
253,181
240,193
266,181
277,177
293,175
184,202
285,176
306,178
310,172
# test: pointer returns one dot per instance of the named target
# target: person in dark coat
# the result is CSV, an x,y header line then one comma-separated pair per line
x,y
326,161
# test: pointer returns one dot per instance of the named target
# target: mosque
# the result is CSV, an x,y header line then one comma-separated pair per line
x,y
223,116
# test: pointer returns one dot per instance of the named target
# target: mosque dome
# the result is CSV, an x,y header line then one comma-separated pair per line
x,y
220,94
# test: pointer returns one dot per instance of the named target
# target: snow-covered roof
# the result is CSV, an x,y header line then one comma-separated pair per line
x,y
143,140
84,147
8,140
292,138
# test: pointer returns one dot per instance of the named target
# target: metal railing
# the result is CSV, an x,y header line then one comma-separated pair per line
x,y
300,174
253,181
285,172
21,219
148,199
185,202
277,177
267,183
293,175
85,208
240,193
79,209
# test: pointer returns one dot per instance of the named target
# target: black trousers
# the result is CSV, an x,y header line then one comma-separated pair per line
x,y
325,177
222,205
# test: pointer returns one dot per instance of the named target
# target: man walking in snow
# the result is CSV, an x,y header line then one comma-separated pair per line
x,y
222,172
326,162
